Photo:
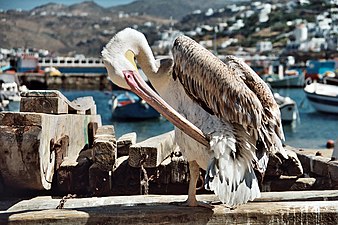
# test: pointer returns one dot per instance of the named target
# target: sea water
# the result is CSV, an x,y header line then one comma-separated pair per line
x,y
312,130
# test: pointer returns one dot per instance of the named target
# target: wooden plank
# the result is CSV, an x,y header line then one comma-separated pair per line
x,y
155,209
27,160
153,150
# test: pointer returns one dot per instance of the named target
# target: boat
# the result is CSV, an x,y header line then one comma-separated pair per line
x,y
323,97
317,69
10,88
128,106
289,79
331,78
287,107
74,65
28,63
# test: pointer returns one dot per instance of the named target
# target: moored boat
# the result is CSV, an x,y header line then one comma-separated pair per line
x,y
287,107
126,105
323,97
275,81
10,88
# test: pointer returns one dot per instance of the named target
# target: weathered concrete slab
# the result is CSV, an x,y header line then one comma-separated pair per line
x,y
155,209
124,143
152,151
54,102
30,143
104,147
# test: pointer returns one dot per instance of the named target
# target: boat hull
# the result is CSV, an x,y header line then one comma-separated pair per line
x,y
323,103
288,113
135,111
323,97
287,81
128,106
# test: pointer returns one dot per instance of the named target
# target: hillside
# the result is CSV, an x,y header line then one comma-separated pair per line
x,y
81,28
166,9
86,27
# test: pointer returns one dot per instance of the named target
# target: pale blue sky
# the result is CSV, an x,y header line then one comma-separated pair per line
x,y
30,4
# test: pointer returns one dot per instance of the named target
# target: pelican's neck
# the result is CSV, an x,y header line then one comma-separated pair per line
x,y
157,71
138,44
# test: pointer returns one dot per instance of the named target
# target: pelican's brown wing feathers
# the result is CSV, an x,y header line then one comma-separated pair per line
x,y
231,89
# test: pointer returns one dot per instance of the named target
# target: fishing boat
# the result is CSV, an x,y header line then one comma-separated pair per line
x,y
287,107
128,106
291,78
323,97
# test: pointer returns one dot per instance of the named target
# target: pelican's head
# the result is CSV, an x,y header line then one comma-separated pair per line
x,y
119,55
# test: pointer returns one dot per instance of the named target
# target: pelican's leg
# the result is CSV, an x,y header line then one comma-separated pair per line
x,y
194,174
191,201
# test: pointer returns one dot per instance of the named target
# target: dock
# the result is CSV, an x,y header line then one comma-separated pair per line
x,y
276,208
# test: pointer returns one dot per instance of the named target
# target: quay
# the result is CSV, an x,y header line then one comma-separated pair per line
x,y
60,165
315,207
37,81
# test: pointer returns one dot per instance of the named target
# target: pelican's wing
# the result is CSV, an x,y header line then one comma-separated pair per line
x,y
231,89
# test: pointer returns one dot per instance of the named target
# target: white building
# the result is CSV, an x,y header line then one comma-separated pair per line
x,y
317,44
301,33
263,46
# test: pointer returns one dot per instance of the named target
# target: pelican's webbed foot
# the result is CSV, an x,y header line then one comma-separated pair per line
x,y
193,204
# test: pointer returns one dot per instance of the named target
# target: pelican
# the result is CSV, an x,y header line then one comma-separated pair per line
x,y
226,119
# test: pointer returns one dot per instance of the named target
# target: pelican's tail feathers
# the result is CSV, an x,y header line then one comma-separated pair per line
x,y
230,174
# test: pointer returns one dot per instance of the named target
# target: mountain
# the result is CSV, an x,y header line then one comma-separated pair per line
x,y
86,27
82,28
166,9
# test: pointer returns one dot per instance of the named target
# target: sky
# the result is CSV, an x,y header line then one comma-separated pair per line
x,y
30,4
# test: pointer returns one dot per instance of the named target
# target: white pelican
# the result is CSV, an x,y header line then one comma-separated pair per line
x,y
226,119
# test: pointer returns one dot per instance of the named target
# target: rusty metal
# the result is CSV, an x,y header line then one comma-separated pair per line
x,y
92,128
60,149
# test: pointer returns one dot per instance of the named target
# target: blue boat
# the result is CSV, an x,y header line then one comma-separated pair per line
x,y
128,106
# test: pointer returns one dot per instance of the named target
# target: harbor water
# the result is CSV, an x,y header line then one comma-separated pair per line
x,y
312,130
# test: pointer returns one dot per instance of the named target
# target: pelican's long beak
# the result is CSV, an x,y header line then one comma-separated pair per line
x,y
140,87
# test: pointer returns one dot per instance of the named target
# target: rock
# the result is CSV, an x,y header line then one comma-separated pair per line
x,y
278,165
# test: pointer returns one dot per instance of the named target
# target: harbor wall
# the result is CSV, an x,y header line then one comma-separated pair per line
x,y
65,81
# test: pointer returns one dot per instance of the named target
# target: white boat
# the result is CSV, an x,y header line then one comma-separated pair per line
x,y
287,107
10,88
323,97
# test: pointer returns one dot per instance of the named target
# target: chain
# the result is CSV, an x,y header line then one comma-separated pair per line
x,y
145,181
64,199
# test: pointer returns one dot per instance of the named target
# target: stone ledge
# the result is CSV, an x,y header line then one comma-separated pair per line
x,y
271,208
